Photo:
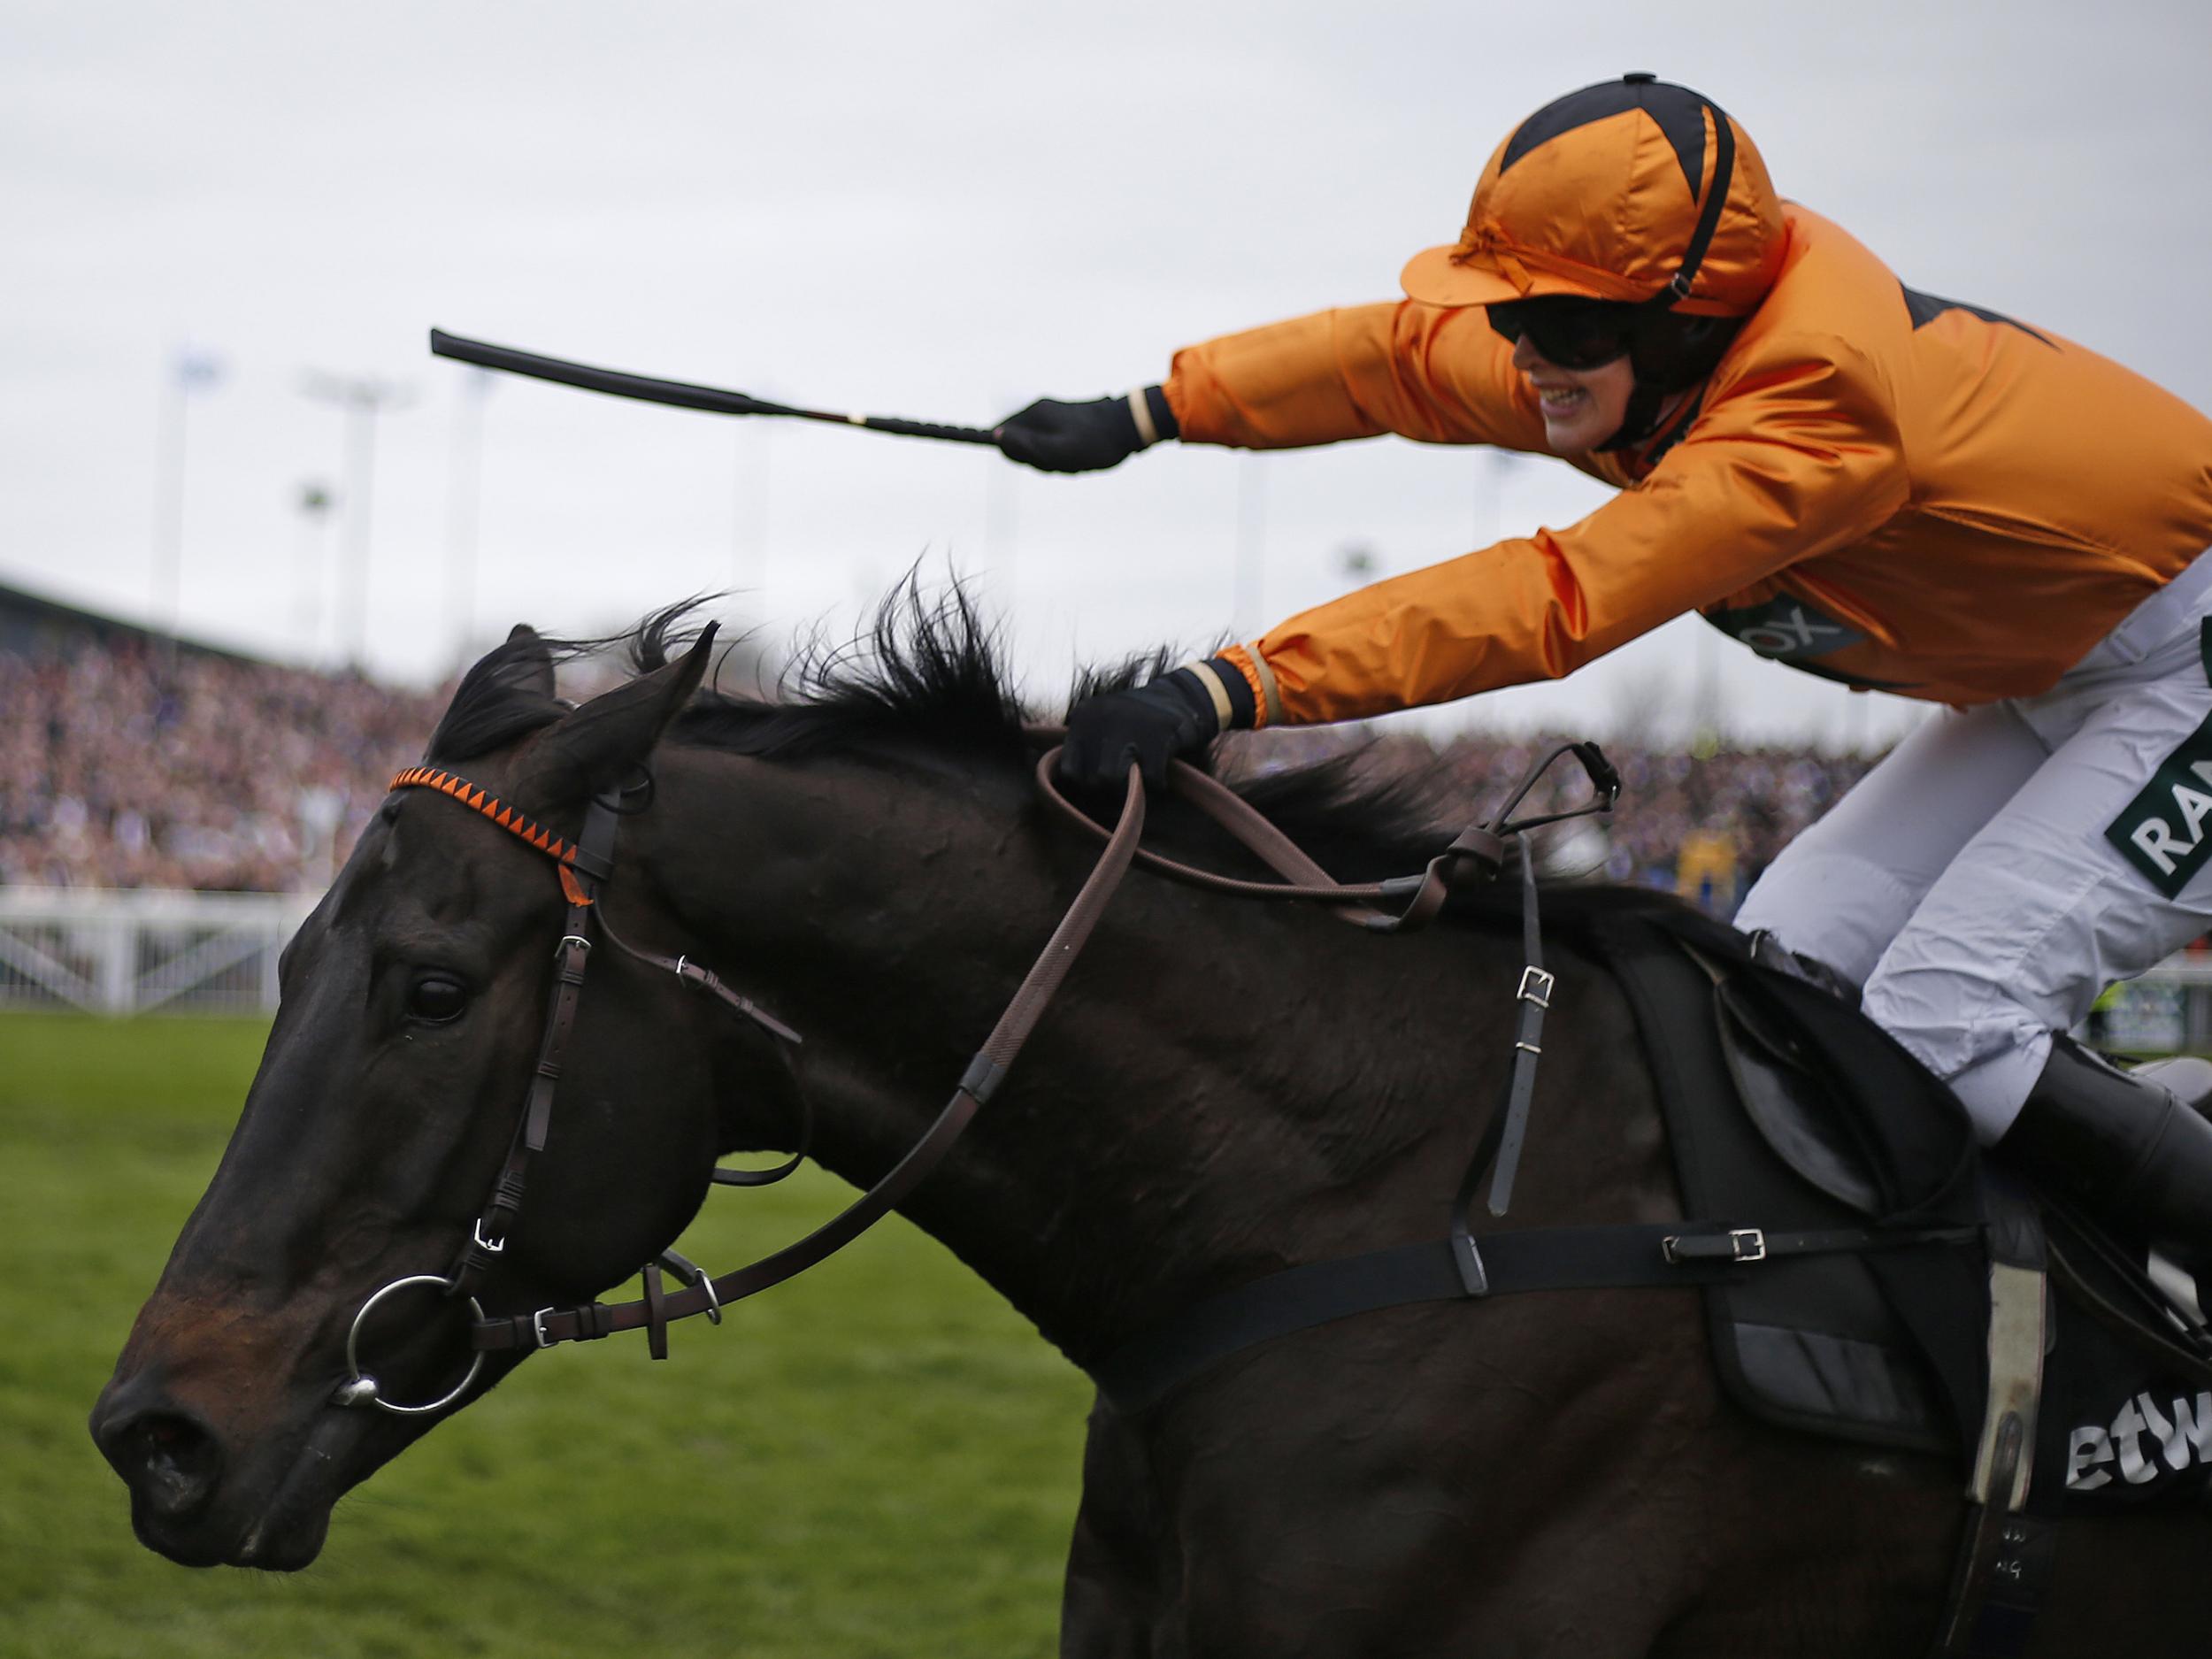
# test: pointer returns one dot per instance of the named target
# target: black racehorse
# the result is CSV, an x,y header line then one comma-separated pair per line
x,y
1223,1089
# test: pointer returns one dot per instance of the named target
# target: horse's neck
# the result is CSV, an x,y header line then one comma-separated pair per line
x,y
1221,1088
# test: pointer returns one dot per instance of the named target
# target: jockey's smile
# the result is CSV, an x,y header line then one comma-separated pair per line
x,y
1582,408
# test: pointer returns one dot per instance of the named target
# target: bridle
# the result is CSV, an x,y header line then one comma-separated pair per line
x,y
587,863
582,864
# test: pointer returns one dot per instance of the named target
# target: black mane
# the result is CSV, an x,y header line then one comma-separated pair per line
x,y
926,670
929,675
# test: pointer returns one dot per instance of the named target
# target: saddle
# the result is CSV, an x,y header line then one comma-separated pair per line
x,y
1782,1102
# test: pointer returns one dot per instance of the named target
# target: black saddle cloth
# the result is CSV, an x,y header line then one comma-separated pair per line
x,y
1785,1105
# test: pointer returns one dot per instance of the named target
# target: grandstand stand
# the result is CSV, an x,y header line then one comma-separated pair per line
x,y
130,759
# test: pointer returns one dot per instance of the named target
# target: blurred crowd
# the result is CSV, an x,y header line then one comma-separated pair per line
x,y
1701,821
123,766
126,766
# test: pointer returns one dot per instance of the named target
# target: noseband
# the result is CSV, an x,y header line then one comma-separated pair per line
x,y
584,864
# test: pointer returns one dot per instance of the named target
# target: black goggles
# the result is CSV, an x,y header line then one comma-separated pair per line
x,y
1573,333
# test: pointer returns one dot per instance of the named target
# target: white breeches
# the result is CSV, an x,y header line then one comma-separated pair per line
x,y
1975,882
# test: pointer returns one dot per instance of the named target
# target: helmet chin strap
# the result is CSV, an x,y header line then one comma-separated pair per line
x,y
1646,406
1650,410
1647,402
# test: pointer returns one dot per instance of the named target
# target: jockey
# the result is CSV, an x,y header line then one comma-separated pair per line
x,y
1867,482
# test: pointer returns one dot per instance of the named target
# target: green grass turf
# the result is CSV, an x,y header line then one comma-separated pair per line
x,y
879,1458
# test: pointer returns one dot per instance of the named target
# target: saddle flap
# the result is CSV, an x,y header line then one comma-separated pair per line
x,y
1892,1124
1795,1112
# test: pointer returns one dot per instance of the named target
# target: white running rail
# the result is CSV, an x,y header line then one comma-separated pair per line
x,y
118,951
134,951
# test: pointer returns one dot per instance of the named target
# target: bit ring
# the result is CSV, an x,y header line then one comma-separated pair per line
x,y
360,1388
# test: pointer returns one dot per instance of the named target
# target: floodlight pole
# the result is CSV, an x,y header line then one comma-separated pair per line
x,y
1001,546
186,371
313,503
752,472
1249,570
363,399
169,510
465,490
1497,465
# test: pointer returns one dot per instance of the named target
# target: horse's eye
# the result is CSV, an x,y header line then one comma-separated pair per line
x,y
435,999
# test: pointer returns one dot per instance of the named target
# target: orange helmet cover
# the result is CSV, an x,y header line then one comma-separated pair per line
x,y
1601,194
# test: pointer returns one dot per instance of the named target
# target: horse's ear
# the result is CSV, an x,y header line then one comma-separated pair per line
x,y
512,682
598,746
537,676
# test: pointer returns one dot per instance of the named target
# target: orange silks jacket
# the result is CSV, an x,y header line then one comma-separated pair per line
x,y
1875,485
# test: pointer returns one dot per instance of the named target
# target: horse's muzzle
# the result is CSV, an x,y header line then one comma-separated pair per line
x,y
170,1459
174,1463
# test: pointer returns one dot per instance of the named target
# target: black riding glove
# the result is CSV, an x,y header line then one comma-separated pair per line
x,y
1175,715
1056,437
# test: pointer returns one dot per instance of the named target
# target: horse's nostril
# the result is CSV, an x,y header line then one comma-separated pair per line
x,y
172,1461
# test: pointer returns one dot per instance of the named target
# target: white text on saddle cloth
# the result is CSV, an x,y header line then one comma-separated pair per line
x,y
2183,1430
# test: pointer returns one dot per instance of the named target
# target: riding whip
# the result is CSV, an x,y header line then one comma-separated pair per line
x,y
679,393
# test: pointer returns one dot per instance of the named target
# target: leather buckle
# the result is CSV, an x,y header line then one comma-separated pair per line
x,y
695,1278
1738,1244
537,1327
1535,987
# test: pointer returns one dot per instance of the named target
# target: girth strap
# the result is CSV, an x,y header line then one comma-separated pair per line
x,y
1659,1255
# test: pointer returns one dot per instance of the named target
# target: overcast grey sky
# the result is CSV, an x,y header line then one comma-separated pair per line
x,y
938,211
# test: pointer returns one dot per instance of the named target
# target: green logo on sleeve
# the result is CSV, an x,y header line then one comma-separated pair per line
x,y
2163,832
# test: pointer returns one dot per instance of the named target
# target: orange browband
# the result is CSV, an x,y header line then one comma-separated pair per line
x,y
562,852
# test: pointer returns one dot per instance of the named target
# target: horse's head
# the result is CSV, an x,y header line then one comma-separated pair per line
x,y
414,999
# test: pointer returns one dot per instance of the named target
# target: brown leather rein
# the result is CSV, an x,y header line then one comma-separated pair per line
x,y
584,864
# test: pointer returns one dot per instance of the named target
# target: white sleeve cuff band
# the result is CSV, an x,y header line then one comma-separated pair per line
x,y
1140,406
1224,711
